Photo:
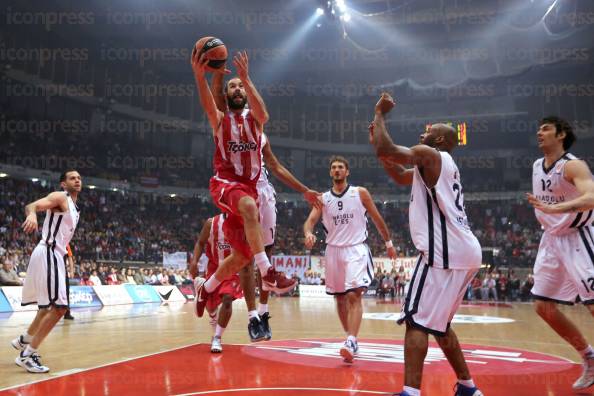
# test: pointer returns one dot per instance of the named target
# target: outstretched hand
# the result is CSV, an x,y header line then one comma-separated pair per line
x,y
199,64
371,129
241,63
30,223
539,205
314,198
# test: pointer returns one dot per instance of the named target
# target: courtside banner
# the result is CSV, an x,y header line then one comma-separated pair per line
x,y
113,294
380,264
142,294
187,291
14,295
83,296
291,265
170,294
4,304
313,291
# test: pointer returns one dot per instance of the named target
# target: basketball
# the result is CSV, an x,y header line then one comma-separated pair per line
x,y
214,49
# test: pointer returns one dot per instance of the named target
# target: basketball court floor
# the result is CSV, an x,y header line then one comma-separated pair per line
x,y
153,349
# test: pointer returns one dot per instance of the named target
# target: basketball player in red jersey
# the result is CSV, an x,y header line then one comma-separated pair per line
x,y
237,162
259,326
219,305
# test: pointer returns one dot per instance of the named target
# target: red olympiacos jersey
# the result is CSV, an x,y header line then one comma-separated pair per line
x,y
238,148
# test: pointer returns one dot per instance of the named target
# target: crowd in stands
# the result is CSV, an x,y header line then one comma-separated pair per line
x,y
133,227
486,286
89,273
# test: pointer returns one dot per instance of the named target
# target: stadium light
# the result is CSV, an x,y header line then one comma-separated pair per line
x,y
2,175
346,17
34,179
172,195
92,187
319,11
114,189
341,6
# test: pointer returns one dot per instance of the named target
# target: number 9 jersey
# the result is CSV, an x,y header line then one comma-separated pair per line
x,y
438,223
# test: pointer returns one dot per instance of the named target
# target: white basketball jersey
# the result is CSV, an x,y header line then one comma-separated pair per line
x,y
438,223
58,227
549,185
263,180
344,218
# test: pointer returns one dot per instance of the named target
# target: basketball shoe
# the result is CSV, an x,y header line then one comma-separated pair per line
x,y
462,390
265,325
31,363
349,350
201,294
256,330
277,282
216,346
586,380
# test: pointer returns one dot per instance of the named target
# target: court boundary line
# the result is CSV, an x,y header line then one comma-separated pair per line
x,y
282,389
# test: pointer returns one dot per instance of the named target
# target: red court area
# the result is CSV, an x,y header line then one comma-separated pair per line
x,y
312,367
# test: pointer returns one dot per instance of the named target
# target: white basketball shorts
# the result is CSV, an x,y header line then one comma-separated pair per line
x,y
348,268
45,284
267,208
564,267
434,295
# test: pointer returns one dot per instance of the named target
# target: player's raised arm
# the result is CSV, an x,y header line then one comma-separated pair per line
x,y
396,171
206,98
308,226
53,200
199,247
577,173
256,102
285,176
378,220
218,90
392,155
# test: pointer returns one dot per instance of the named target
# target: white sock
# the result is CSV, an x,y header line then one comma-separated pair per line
x,y
29,351
27,337
262,262
588,352
467,383
253,314
412,391
219,331
352,338
262,309
211,284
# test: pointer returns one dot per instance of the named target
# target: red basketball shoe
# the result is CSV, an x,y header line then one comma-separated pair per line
x,y
277,282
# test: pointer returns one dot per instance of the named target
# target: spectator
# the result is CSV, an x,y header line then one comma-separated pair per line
x,y
525,292
171,277
8,276
489,288
130,276
95,278
138,278
476,287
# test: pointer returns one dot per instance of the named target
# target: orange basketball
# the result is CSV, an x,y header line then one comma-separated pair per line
x,y
214,49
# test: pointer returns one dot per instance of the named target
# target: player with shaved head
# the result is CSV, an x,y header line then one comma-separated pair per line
x,y
450,255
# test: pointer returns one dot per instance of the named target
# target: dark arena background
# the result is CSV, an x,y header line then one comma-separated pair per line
x,y
107,88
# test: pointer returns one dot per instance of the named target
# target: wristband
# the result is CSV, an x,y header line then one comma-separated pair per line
x,y
389,244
